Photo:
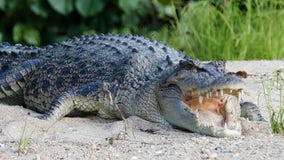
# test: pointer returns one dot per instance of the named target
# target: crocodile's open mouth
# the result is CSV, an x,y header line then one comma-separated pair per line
x,y
212,108
212,97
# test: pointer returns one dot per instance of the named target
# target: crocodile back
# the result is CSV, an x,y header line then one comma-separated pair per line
x,y
126,62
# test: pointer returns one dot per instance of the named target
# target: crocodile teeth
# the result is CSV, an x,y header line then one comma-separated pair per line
x,y
221,92
200,99
207,95
197,114
225,126
242,92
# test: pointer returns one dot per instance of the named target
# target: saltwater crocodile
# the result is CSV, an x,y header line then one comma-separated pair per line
x,y
117,76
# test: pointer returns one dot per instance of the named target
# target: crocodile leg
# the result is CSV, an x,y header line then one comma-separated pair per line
x,y
13,81
251,112
92,97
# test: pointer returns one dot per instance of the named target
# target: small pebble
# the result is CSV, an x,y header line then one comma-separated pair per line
x,y
213,156
158,153
236,155
38,157
2,145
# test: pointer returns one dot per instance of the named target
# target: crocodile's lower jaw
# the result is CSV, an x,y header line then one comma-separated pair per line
x,y
209,119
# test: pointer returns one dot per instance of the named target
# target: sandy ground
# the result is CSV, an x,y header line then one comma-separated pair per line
x,y
95,138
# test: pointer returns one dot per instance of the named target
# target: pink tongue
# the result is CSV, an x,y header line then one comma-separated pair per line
x,y
223,100
216,105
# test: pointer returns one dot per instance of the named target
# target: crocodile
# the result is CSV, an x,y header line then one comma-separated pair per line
x,y
117,76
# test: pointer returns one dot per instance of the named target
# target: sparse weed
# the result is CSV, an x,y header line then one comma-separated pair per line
x,y
23,143
275,86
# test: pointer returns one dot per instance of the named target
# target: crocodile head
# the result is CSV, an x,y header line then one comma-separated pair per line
x,y
202,98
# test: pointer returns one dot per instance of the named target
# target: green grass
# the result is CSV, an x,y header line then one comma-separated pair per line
x,y
23,142
275,86
208,33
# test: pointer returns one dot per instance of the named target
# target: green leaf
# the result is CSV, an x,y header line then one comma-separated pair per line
x,y
1,37
13,5
32,36
170,2
26,34
164,8
88,8
39,10
63,7
128,6
2,5
130,20
145,8
18,32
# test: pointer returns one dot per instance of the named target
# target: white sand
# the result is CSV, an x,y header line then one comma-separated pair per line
x,y
95,138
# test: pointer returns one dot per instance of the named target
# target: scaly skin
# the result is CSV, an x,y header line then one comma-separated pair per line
x,y
116,76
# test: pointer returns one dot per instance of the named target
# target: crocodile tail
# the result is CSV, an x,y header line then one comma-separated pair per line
x,y
16,63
